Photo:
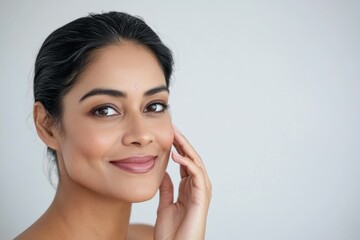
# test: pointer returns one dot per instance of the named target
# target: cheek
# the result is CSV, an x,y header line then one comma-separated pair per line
x,y
84,140
165,135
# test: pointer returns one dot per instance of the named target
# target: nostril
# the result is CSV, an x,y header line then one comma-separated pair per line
x,y
137,134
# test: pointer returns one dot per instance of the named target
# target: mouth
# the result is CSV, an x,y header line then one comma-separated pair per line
x,y
136,164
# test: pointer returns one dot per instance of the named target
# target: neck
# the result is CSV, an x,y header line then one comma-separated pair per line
x,y
78,212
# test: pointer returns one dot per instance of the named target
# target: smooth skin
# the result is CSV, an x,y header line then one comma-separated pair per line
x,y
186,218
93,198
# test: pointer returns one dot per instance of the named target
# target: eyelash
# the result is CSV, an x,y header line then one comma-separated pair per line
x,y
102,107
163,105
107,106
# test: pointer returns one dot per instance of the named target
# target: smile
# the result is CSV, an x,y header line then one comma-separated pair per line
x,y
136,164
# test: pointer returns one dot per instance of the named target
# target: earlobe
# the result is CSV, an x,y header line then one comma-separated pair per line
x,y
45,126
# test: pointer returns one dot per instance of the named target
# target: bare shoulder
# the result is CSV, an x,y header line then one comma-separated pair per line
x,y
140,232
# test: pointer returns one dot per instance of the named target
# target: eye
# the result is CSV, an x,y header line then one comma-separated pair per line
x,y
105,111
156,107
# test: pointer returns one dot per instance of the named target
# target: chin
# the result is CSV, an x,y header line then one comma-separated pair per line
x,y
142,196
141,188
140,192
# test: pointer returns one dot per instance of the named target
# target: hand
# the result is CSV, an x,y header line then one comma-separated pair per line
x,y
186,218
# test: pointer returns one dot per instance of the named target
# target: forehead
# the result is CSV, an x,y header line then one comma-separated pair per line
x,y
125,66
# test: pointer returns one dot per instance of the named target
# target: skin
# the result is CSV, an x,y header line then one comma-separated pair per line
x,y
94,197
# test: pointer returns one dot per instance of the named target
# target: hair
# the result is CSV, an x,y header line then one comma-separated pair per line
x,y
67,52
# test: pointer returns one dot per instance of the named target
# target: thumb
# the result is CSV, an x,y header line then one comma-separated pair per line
x,y
166,192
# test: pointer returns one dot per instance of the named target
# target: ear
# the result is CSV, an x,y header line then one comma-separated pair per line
x,y
45,128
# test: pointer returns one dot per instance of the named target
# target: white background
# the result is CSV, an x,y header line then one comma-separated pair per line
x,y
267,91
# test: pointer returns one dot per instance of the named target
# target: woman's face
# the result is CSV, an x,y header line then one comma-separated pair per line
x,y
116,131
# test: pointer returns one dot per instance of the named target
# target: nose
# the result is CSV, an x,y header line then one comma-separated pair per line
x,y
137,133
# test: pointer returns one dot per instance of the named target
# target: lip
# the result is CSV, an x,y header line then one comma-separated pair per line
x,y
136,164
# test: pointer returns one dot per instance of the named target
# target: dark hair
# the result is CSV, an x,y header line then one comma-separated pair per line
x,y
68,50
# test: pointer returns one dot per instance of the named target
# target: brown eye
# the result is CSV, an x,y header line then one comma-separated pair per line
x,y
156,107
105,111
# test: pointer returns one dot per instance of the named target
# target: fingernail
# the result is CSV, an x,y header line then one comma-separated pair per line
x,y
176,155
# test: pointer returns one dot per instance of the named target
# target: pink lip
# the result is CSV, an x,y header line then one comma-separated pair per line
x,y
136,164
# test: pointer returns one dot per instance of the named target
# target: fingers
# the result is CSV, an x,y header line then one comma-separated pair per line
x,y
186,150
183,171
166,190
190,167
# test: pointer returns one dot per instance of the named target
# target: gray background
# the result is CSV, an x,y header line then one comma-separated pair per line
x,y
267,91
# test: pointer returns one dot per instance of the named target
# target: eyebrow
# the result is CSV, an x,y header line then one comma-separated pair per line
x,y
156,90
121,94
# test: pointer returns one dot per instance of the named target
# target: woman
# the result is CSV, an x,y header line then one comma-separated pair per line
x,y
101,90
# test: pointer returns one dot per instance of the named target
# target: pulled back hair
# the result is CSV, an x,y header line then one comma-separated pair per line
x,y
67,52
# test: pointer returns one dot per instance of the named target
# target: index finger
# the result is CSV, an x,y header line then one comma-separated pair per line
x,y
184,148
